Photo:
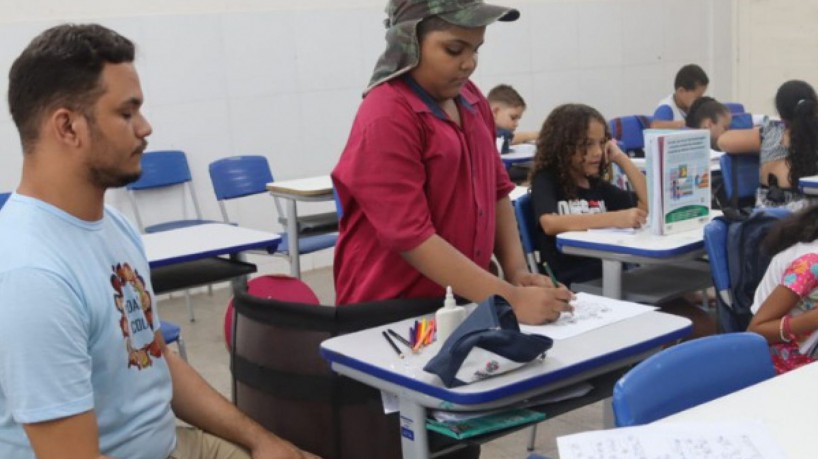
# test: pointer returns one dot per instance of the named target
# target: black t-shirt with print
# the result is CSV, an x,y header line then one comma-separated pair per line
x,y
547,198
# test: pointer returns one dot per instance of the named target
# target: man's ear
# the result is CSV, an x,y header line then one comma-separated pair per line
x,y
495,109
67,126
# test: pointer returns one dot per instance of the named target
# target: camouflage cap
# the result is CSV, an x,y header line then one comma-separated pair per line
x,y
402,48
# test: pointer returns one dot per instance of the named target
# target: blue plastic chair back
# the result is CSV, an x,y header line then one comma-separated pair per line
x,y
734,107
3,198
338,207
527,226
746,170
161,169
240,176
741,121
715,243
628,131
689,374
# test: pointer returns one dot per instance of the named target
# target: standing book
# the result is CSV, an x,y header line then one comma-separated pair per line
x,y
678,173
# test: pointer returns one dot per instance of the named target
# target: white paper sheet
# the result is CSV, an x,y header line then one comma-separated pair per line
x,y
705,440
590,312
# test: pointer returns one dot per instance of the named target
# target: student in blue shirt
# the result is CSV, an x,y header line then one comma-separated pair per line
x,y
690,84
84,371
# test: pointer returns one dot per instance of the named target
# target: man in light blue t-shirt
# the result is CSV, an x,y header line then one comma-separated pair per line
x,y
84,372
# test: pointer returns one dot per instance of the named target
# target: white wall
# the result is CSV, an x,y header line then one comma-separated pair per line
x,y
776,41
283,78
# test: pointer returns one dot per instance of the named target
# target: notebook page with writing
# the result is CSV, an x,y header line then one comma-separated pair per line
x,y
590,312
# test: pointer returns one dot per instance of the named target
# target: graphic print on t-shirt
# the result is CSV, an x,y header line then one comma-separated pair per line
x,y
134,303
581,206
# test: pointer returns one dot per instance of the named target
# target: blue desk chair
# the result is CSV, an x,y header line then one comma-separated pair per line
x,y
741,121
689,374
734,107
716,233
627,130
3,198
163,170
740,179
528,228
240,176
172,333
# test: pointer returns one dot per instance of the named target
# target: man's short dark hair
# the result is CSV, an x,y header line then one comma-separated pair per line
x,y
61,67
505,94
689,77
705,108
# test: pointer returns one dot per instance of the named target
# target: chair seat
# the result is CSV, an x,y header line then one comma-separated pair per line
x,y
182,276
176,224
309,244
326,222
170,331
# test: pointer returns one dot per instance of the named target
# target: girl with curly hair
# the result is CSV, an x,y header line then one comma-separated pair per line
x,y
788,148
569,190
785,301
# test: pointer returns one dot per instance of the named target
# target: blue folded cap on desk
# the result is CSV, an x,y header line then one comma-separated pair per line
x,y
488,343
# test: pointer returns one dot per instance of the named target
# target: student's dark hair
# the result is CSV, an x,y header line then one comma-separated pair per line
x,y
705,108
563,133
801,226
505,94
431,24
689,77
797,104
61,67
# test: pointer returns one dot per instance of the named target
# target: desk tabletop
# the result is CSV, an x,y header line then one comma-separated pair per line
x,y
311,186
521,153
809,185
517,192
786,403
367,357
640,243
203,241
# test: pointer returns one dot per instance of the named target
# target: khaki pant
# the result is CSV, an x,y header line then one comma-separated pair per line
x,y
195,444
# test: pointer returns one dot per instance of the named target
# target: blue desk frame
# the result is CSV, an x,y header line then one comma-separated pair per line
x,y
364,356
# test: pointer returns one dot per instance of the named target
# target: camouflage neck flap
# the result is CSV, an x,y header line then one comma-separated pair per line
x,y
403,16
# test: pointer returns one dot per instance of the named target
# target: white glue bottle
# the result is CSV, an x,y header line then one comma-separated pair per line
x,y
448,318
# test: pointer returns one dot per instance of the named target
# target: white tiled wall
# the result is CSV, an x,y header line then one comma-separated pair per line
x,y
283,79
777,41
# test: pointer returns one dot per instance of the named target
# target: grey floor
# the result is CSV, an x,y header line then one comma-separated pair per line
x,y
207,353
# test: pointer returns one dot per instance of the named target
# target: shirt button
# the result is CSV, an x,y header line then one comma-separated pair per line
x,y
480,213
479,253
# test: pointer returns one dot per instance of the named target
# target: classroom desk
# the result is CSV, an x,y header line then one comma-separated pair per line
x,y
517,192
786,403
809,185
366,357
617,247
311,189
188,257
521,153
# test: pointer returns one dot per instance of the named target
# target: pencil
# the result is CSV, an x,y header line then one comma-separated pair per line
x,y
399,338
551,274
392,343
422,339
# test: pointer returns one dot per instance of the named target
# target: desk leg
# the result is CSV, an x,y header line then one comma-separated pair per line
x,y
608,418
612,279
292,235
414,440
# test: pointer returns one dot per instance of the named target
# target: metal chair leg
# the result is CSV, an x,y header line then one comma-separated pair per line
x,y
532,438
182,349
189,306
